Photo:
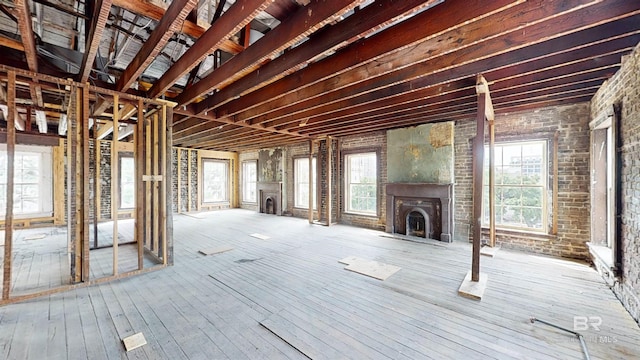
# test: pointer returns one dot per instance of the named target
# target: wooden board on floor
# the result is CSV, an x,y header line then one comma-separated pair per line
x,y
259,236
473,289
215,250
134,341
374,269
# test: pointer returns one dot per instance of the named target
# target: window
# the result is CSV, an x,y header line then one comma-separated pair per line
x,y
33,182
215,180
361,183
520,185
301,175
127,182
249,179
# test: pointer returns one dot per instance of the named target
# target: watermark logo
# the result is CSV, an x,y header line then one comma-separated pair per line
x,y
582,323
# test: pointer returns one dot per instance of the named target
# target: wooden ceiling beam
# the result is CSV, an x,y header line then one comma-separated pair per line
x,y
155,12
548,78
232,21
98,22
303,22
356,26
211,117
171,22
11,43
23,14
478,58
402,37
595,55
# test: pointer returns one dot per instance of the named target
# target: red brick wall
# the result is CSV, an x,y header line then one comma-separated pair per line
x,y
623,89
572,124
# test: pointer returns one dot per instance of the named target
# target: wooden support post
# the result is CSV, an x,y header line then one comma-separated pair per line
x,y
168,227
155,128
115,195
189,180
141,186
328,180
492,197
147,184
478,160
554,191
310,213
58,184
96,184
8,218
140,244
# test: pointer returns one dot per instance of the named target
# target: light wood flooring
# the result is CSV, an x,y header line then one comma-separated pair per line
x,y
287,297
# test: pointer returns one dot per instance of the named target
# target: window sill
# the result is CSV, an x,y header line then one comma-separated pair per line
x,y
534,235
360,214
602,254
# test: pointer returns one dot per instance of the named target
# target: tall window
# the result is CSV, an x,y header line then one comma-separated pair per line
x,y
249,179
361,183
127,182
33,182
301,180
520,185
215,180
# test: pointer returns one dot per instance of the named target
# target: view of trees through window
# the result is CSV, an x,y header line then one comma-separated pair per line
x,y
301,174
215,180
361,183
520,185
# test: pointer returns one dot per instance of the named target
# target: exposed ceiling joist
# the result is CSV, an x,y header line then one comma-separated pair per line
x,y
302,23
411,70
234,19
98,22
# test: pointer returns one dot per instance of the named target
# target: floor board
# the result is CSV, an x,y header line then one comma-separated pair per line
x,y
287,297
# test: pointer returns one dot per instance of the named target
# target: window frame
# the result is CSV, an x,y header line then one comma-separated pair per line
x,y
246,182
543,185
45,181
296,183
203,175
346,181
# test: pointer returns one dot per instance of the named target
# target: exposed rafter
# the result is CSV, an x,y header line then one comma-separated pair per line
x,y
305,21
94,37
234,19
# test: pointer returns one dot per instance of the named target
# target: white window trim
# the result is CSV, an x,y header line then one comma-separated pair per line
x,y
46,192
544,186
254,182
313,168
347,197
226,185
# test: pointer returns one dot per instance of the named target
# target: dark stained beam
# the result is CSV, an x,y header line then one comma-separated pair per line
x,y
194,72
234,19
356,26
280,9
514,47
171,21
400,37
579,59
98,22
303,22
26,34
155,12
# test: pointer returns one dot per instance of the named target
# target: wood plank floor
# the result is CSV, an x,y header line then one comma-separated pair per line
x,y
287,297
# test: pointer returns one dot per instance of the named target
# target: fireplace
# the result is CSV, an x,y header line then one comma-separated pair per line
x,y
270,197
422,209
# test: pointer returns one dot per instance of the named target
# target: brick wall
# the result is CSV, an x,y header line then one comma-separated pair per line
x,y
572,124
623,89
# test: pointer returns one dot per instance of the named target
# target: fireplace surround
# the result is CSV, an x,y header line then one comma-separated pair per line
x,y
270,196
408,202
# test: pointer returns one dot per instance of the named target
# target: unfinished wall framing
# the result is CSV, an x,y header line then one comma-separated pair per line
x,y
85,161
